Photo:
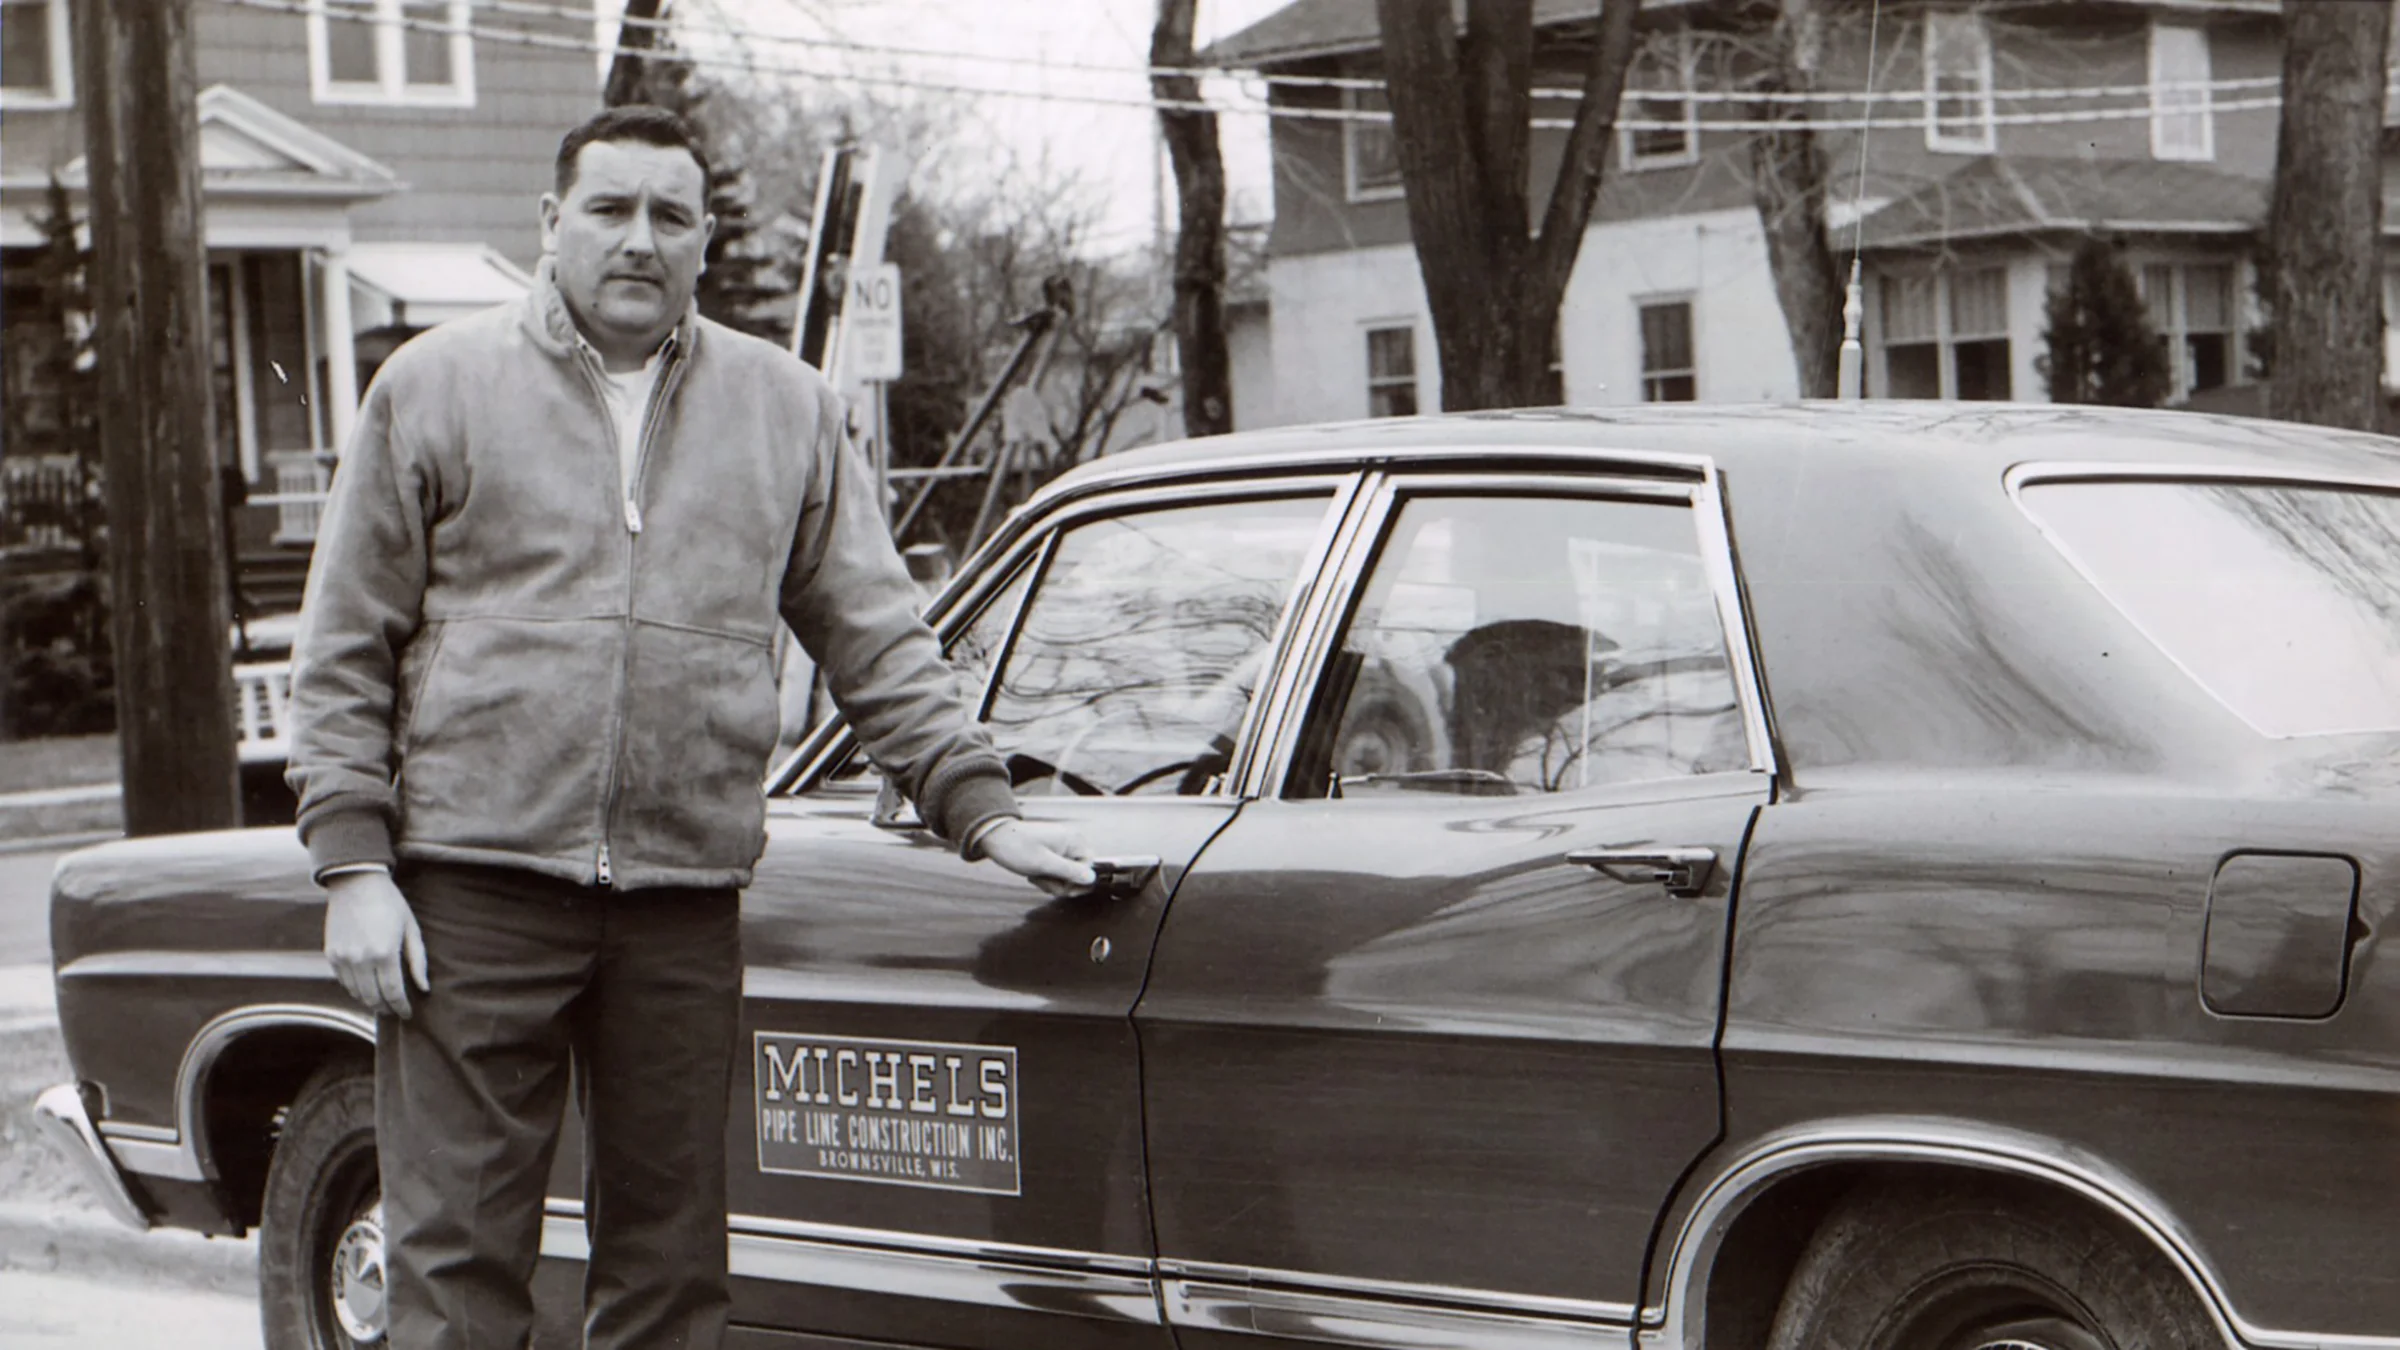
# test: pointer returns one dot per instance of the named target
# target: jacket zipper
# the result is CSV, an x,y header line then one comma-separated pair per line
x,y
603,869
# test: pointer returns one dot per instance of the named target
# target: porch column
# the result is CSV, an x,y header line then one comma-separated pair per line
x,y
341,354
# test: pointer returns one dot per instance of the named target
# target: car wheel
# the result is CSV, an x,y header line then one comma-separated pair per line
x,y
320,1240
1980,1266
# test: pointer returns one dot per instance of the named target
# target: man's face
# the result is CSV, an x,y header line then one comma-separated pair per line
x,y
628,241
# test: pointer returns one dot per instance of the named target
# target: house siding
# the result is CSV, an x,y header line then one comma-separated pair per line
x,y
2097,44
472,174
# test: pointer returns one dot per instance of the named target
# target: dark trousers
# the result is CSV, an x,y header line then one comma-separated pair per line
x,y
641,992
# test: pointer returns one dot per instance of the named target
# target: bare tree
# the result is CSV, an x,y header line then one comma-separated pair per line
x,y
1788,185
1191,137
2325,225
1462,104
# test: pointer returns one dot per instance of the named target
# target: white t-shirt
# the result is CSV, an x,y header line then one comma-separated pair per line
x,y
628,397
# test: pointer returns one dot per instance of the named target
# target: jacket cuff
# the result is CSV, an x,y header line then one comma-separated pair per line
x,y
345,836
972,805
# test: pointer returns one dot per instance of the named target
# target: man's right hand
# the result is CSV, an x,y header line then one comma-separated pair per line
x,y
369,932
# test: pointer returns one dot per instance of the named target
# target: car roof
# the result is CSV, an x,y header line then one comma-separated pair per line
x,y
1977,438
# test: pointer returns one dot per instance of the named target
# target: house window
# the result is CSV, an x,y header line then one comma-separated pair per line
x,y
2191,306
1391,372
1945,335
1979,334
1670,373
35,70
391,51
1958,84
1659,94
1370,152
2180,124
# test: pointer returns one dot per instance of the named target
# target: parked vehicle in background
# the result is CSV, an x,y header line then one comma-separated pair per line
x,y
1885,876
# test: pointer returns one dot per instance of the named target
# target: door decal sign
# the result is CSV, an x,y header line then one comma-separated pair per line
x,y
909,1113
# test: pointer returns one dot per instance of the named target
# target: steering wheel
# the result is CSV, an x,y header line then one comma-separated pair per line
x,y
1023,768
1195,771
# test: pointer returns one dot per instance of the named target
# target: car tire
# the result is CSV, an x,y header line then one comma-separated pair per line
x,y
320,1239
1976,1265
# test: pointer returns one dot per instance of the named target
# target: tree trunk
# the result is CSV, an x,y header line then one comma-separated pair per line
x,y
2325,226
1191,138
637,34
1462,123
150,286
1788,185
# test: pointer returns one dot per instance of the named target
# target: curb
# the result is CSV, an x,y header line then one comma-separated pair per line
x,y
57,843
67,1239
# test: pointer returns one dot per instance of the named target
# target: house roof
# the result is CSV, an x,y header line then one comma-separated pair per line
x,y
248,148
2016,194
425,284
1307,28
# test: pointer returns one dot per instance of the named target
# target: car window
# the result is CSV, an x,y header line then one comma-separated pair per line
x,y
971,653
2283,602
1527,644
1143,644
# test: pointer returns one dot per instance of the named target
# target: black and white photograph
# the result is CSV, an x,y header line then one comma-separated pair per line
x,y
1199,674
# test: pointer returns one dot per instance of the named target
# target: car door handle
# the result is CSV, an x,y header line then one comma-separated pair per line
x,y
1683,871
1118,878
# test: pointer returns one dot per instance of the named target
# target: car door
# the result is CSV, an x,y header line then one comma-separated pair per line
x,y
1428,1034
938,1138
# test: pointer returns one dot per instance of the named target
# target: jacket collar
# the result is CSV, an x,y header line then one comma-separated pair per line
x,y
553,327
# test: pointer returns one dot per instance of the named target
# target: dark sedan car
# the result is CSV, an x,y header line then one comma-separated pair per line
x,y
1882,877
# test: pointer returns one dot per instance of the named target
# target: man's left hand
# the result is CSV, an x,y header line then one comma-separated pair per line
x,y
1050,856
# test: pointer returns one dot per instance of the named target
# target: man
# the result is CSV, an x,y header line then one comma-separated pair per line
x,y
533,700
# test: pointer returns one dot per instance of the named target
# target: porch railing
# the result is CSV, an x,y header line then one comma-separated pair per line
x,y
262,696
299,495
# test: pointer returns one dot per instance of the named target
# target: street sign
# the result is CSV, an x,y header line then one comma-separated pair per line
x,y
871,324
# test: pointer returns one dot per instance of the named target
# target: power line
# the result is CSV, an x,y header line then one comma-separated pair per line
x,y
1370,84
1148,102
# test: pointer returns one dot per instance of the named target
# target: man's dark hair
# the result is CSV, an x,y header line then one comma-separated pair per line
x,y
644,122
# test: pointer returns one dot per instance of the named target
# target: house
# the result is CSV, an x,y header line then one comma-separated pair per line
x,y
1998,135
369,168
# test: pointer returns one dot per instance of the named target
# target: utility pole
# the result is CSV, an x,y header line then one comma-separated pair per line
x,y
637,35
141,121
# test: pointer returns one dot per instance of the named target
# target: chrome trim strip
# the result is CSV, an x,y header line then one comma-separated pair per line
x,y
1337,576
117,1130
136,964
1541,1307
1884,1139
1337,1319
59,1117
1354,459
977,1249
1264,708
168,1161
211,1041
2041,471
1733,619
1076,1287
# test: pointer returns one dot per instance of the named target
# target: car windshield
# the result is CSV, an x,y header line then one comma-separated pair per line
x,y
2283,602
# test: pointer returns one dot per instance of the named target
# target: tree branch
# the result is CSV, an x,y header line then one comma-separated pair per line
x,y
1585,160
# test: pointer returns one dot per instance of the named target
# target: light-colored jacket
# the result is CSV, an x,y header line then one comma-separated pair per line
x,y
506,658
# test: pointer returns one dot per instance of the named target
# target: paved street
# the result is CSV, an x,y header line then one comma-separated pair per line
x,y
68,1276
25,908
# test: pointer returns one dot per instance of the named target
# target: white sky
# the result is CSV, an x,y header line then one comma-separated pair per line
x,y
1034,59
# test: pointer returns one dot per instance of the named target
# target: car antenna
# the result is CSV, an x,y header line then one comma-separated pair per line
x,y
1850,377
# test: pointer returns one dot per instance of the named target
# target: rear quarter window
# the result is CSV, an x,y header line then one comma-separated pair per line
x,y
2282,601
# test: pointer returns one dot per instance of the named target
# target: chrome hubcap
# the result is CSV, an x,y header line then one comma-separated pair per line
x,y
357,1278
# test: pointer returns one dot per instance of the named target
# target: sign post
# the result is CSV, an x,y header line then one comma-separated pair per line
x,y
871,354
